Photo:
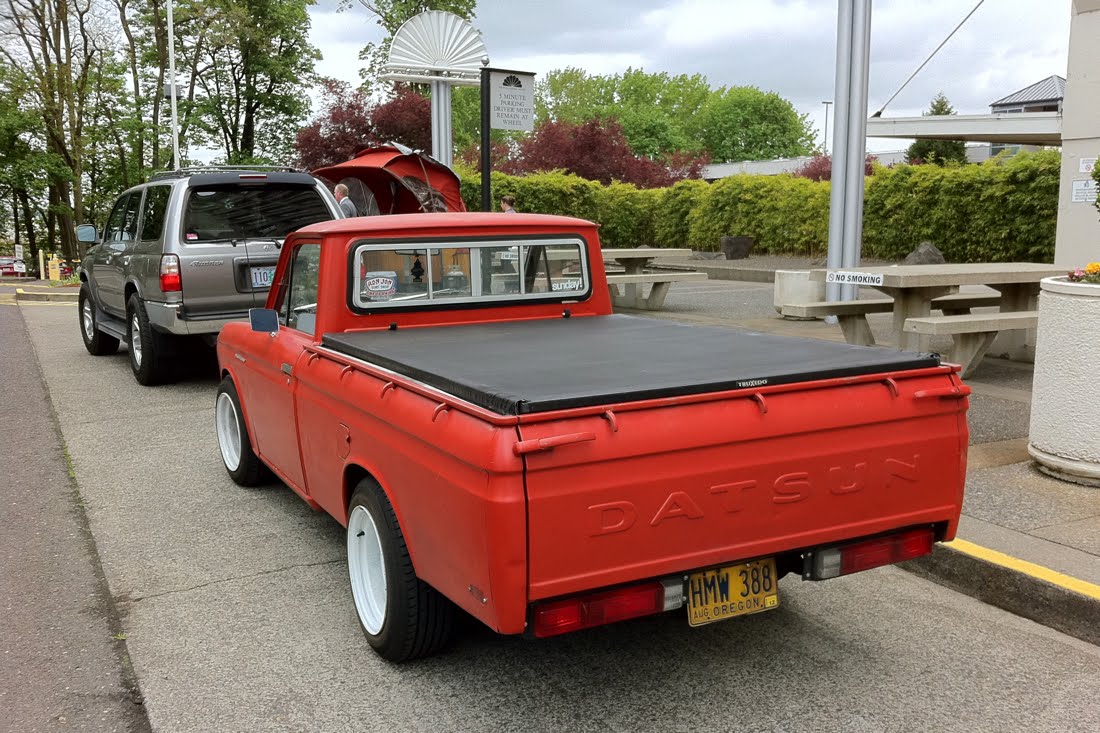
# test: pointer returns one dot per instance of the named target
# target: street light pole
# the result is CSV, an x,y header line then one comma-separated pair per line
x,y
172,87
825,137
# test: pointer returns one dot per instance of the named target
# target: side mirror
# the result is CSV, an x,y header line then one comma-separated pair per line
x,y
263,320
86,233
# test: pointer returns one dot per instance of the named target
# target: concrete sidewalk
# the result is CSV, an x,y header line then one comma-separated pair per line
x,y
1027,542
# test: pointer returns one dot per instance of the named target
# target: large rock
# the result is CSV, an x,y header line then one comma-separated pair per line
x,y
736,248
926,253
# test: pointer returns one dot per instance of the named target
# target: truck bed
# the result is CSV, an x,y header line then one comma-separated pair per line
x,y
524,367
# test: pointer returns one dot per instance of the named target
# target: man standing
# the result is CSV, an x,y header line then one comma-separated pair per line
x,y
346,204
508,204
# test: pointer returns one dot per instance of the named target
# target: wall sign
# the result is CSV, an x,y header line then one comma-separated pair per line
x,y
1084,191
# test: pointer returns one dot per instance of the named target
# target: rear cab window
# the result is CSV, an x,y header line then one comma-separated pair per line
x,y
233,211
417,274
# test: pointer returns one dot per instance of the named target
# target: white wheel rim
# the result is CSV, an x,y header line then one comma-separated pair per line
x,y
88,320
368,572
229,431
135,341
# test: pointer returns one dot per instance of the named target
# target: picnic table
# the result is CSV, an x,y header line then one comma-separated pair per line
x,y
634,263
914,287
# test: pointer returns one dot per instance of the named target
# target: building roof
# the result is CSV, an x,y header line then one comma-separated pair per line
x,y
1051,89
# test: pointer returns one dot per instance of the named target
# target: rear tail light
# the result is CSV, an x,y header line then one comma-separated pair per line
x,y
851,558
170,280
597,609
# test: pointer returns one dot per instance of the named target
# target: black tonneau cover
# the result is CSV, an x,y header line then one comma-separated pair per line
x,y
521,367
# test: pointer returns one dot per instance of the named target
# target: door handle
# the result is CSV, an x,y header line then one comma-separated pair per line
x,y
287,369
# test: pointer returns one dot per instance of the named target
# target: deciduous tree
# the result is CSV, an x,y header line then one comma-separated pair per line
x,y
939,152
745,123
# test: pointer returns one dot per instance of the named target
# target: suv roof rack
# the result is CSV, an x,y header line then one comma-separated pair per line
x,y
184,172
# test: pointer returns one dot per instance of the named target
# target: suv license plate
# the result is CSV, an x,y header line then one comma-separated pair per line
x,y
735,590
261,276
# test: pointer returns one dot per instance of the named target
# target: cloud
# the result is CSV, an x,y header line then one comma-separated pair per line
x,y
785,46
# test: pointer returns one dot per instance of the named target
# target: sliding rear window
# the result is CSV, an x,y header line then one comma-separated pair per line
x,y
263,211
421,274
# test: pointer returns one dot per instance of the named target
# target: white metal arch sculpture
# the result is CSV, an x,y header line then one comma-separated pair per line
x,y
441,49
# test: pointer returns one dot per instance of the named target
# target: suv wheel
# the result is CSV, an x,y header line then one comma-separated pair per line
x,y
148,349
95,341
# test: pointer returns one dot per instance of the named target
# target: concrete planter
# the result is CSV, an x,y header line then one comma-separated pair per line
x,y
1065,411
795,286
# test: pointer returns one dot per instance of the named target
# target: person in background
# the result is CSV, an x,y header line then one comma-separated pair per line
x,y
346,204
508,204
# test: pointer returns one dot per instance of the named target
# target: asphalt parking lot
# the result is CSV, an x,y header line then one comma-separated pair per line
x,y
237,616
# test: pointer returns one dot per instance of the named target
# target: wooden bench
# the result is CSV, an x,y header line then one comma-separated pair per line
x,y
852,314
972,334
632,298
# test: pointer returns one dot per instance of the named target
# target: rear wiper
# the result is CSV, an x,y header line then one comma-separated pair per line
x,y
264,240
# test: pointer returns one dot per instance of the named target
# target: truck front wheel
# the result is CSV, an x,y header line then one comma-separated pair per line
x,y
241,462
402,617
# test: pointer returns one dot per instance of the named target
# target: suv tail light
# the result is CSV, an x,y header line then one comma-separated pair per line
x,y
170,280
833,562
596,609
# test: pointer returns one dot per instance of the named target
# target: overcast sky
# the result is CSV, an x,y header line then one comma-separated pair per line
x,y
785,46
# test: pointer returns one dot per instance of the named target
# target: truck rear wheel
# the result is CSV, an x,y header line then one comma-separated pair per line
x,y
402,617
241,462
95,341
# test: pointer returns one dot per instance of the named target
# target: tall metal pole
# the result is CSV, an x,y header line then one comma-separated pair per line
x,y
172,87
442,146
857,141
840,142
825,137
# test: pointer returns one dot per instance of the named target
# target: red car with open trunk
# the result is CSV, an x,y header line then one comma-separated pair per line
x,y
455,390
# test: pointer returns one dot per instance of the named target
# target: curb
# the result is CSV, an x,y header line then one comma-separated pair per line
x,y
23,296
1024,594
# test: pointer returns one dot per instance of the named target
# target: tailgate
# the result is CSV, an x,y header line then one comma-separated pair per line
x,y
680,484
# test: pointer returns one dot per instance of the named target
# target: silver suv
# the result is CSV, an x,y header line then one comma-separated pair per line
x,y
186,253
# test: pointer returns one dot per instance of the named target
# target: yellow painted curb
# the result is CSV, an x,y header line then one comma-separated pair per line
x,y
1028,568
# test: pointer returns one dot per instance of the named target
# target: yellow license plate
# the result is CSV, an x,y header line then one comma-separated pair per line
x,y
735,590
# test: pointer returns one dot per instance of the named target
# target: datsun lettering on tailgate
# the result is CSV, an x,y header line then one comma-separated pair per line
x,y
455,390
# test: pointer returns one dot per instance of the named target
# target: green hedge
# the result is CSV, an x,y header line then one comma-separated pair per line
x,y
1001,210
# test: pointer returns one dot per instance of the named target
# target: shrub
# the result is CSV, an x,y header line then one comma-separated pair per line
x,y
1002,210
670,219
783,213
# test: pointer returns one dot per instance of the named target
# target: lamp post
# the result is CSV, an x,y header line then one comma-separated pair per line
x,y
172,88
825,137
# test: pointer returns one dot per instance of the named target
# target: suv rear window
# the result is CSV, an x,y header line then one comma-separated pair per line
x,y
233,211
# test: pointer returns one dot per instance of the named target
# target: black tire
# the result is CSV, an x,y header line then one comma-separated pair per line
x,y
418,620
230,427
95,341
149,350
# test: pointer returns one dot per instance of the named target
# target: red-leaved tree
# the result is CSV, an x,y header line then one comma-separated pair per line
x,y
405,119
349,122
820,167
340,130
596,150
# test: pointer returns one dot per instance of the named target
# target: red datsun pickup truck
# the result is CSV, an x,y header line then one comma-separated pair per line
x,y
455,390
